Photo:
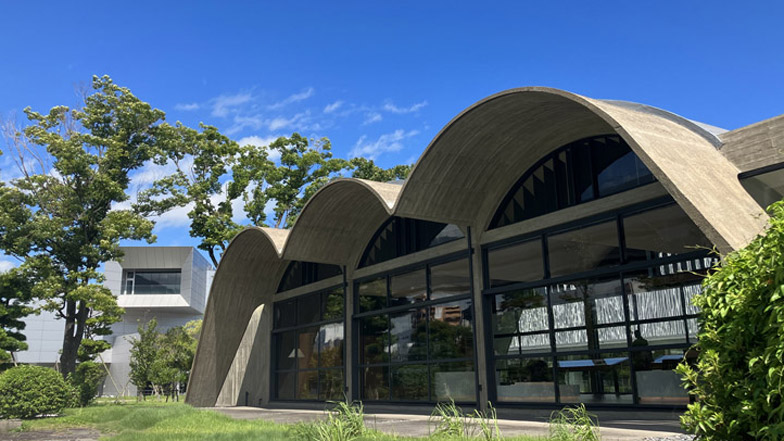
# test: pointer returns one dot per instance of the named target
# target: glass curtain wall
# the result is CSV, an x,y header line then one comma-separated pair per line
x,y
416,335
597,313
307,341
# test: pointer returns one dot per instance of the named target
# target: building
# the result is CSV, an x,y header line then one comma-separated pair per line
x,y
169,284
542,252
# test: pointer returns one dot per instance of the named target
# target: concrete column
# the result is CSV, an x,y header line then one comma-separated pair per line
x,y
479,319
348,343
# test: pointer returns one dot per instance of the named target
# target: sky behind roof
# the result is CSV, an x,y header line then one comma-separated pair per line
x,y
380,79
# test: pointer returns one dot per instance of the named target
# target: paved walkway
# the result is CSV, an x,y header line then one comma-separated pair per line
x,y
417,425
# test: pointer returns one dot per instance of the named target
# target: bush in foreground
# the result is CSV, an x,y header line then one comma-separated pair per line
x,y
29,391
739,376
86,380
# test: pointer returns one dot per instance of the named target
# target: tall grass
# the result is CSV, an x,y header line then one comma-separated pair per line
x,y
344,422
574,424
450,421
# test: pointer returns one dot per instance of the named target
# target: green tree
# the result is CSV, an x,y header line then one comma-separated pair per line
x,y
15,295
67,218
305,167
364,168
202,161
738,378
144,351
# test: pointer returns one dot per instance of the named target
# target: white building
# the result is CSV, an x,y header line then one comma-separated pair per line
x,y
169,284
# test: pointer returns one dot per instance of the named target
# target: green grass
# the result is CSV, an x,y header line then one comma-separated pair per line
x,y
151,421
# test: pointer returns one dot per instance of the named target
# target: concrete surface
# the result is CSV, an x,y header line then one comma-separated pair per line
x,y
417,425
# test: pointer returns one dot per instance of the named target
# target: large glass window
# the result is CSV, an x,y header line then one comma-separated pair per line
x,y
584,249
401,236
152,282
300,273
602,322
518,263
577,172
308,348
416,336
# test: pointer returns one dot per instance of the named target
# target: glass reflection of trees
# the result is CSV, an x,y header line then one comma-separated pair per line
x,y
424,352
308,349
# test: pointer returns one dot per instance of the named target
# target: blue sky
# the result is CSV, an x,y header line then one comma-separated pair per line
x,y
381,78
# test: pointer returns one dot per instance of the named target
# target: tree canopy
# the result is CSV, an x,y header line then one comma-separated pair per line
x,y
63,215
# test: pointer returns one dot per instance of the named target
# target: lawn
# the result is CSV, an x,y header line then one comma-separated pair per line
x,y
178,422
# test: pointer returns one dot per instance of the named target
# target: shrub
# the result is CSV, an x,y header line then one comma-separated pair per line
x,y
738,379
29,391
573,424
86,380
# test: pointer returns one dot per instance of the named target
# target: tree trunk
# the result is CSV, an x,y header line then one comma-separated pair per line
x,y
72,337
211,252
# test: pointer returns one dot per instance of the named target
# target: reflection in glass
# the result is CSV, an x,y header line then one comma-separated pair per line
x,y
409,383
408,336
662,232
455,381
448,279
372,294
285,314
307,352
286,385
657,383
408,288
309,309
604,378
331,345
589,305
330,384
308,385
451,331
617,168
583,249
374,339
521,311
526,380
332,304
517,263
286,346
375,383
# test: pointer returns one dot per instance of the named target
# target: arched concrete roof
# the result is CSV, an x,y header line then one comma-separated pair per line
x,y
461,178
477,157
247,277
338,218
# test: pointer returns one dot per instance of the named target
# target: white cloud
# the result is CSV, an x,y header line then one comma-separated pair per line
x,y
390,107
187,107
371,118
174,218
388,142
6,265
258,141
305,94
299,120
333,107
223,104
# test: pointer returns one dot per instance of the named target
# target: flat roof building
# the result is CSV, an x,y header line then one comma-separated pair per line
x,y
542,252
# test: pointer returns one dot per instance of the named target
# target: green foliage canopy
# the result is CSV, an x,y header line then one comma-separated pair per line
x,y
738,379
63,215
15,295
